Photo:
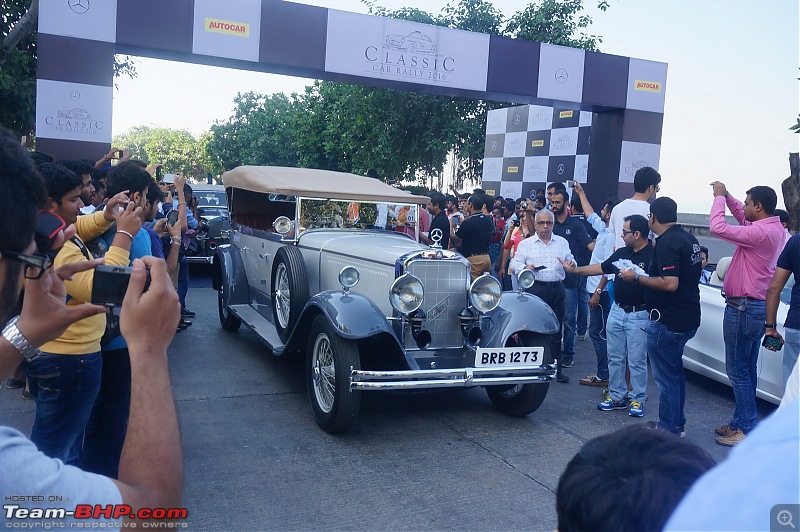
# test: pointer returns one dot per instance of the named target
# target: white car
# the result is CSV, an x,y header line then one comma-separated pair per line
x,y
705,353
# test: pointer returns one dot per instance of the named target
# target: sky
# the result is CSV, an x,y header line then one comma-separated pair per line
x,y
732,86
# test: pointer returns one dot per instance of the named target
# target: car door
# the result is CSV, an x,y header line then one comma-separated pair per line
x,y
770,363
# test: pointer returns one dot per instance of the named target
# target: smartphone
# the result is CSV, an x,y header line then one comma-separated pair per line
x,y
110,284
770,342
169,179
159,172
539,268
570,183
516,222
48,225
172,217
120,153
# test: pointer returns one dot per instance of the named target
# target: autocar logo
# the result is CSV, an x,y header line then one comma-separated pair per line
x,y
78,6
562,75
415,42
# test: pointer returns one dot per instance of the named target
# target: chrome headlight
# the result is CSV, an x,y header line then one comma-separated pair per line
x,y
406,294
485,293
282,225
349,277
525,279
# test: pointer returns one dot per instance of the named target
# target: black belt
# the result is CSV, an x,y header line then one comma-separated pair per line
x,y
477,255
739,299
547,283
632,308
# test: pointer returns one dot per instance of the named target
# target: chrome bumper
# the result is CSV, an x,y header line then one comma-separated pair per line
x,y
448,378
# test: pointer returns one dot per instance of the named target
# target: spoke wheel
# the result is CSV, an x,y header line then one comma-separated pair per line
x,y
228,321
329,359
289,289
522,399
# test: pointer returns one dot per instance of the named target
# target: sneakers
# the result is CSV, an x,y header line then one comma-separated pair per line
x,y
581,337
609,404
567,361
560,377
606,394
723,430
12,383
732,438
636,410
593,380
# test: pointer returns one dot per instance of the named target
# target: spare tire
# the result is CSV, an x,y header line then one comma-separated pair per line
x,y
289,290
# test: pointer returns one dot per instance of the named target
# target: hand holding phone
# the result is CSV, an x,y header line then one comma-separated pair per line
x,y
773,343
172,217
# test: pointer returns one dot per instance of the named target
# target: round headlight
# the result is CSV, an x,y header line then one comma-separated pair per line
x,y
485,293
406,294
525,279
349,276
282,225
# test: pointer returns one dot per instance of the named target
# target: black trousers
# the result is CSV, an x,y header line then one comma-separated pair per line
x,y
553,295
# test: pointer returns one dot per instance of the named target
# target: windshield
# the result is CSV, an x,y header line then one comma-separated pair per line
x,y
211,199
343,214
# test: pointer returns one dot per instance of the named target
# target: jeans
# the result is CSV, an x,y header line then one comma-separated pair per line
x,y
570,315
791,348
627,334
64,388
583,306
665,348
598,317
108,422
742,329
183,280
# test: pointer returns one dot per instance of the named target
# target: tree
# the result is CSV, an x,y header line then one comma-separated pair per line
x,y
176,149
18,38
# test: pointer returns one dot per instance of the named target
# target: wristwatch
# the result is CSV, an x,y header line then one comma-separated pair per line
x,y
769,325
15,338
598,291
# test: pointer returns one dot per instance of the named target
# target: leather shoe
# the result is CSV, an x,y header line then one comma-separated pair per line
x,y
731,439
186,313
560,377
723,430
593,380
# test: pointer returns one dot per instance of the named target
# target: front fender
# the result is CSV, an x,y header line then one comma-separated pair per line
x,y
227,270
518,312
353,315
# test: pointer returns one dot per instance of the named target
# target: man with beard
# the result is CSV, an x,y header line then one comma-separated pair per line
x,y
581,246
546,253
436,208
83,170
475,235
151,473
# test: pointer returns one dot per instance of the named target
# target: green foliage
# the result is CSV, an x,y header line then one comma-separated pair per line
x,y
555,22
176,149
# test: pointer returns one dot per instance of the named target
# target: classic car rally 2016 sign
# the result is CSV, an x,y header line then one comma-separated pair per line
x,y
399,50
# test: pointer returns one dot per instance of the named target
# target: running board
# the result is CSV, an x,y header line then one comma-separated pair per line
x,y
259,325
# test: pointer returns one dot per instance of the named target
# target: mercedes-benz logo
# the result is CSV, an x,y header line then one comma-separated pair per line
x,y
516,119
494,145
78,6
560,169
562,75
436,235
75,95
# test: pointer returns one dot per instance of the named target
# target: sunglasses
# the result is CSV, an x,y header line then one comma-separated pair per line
x,y
540,222
35,265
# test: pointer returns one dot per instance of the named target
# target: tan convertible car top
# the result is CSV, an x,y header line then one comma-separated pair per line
x,y
311,183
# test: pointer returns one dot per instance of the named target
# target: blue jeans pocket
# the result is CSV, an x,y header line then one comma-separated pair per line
x,y
46,382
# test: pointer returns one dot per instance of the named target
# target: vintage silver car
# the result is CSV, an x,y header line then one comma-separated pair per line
x,y
310,272
212,209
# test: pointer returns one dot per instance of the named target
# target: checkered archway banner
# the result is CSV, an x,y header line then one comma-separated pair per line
x,y
623,96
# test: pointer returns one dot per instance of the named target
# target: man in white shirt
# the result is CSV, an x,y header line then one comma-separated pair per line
x,y
645,186
543,253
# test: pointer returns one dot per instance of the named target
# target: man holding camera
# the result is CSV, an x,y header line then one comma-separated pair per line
x,y
65,378
151,470
759,240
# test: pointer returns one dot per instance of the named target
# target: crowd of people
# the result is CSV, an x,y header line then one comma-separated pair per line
x,y
106,430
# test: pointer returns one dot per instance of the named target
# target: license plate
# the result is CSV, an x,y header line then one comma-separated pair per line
x,y
509,357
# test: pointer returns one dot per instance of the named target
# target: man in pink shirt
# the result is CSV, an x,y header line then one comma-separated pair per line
x,y
759,240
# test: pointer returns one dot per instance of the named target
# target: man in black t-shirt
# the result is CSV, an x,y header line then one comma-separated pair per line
x,y
627,320
673,299
439,221
475,235
581,247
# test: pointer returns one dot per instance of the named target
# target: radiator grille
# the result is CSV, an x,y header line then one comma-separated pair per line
x,y
445,283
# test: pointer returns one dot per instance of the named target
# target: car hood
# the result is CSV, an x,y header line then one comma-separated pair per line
x,y
378,246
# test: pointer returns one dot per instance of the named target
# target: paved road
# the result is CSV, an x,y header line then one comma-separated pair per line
x,y
255,459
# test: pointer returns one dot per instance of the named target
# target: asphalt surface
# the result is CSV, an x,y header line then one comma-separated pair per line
x,y
256,460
